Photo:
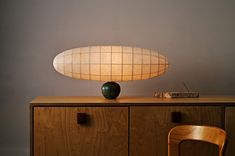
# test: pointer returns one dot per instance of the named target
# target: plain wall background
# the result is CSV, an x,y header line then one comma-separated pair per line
x,y
197,36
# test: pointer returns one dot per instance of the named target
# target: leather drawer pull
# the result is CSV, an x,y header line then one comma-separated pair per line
x,y
82,118
176,117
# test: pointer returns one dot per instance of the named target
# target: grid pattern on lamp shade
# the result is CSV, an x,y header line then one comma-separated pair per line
x,y
110,63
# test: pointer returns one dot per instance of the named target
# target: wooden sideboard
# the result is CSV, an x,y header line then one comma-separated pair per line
x,y
127,126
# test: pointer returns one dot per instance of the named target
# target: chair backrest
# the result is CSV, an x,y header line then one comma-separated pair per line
x,y
209,134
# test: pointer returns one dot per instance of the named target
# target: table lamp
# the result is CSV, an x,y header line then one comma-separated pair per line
x,y
110,64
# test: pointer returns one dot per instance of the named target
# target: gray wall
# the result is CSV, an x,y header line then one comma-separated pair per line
x,y
197,36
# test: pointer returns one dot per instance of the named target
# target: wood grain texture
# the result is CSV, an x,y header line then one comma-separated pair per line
x,y
56,132
73,100
209,134
230,129
149,127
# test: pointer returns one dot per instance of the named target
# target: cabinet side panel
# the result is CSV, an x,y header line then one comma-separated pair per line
x,y
149,127
57,133
230,129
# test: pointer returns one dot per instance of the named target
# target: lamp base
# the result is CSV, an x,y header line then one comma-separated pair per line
x,y
110,90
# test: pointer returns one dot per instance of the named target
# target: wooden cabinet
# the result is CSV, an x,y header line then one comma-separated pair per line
x,y
134,126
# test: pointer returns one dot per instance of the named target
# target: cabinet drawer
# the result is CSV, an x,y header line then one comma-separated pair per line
x,y
60,131
149,127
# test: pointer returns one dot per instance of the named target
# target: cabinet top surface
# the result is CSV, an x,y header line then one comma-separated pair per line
x,y
44,100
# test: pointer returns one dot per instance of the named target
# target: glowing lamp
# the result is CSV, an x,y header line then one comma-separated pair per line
x,y
110,64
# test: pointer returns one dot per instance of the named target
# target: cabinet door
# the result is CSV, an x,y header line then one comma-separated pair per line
x,y
149,127
57,133
230,129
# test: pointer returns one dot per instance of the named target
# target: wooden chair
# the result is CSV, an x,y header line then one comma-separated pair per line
x,y
208,134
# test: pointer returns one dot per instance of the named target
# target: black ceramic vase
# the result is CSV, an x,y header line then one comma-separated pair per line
x,y
111,90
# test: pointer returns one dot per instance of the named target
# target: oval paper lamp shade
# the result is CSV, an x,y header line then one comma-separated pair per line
x,y
110,63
